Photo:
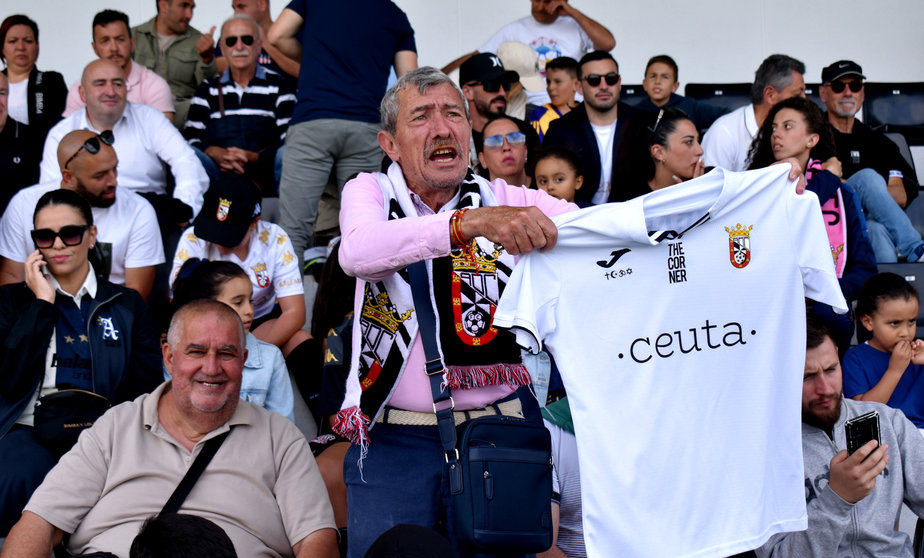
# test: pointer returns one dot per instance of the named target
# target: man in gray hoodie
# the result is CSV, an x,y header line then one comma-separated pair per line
x,y
853,501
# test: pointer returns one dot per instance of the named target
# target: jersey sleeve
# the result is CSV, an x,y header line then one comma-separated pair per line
x,y
287,281
528,303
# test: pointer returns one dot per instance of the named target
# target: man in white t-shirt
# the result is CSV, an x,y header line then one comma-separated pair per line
x,y
593,129
554,28
676,322
728,140
128,235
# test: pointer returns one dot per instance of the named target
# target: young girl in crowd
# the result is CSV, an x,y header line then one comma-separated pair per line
x,y
266,379
660,149
889,368
558,172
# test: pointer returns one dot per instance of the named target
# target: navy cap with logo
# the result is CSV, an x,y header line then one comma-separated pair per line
x,y
841,68
228,209
485,66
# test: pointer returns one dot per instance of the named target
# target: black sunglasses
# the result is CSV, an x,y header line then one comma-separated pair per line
x,y
839,86
92,145
246,39
492,85
593,80
70,235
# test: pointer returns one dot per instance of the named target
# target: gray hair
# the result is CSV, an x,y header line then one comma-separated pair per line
x,y
776,71
201,307
424,78
246,18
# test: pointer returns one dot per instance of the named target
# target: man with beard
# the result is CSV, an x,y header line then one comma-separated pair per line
x,y
128,243
873,166
853,500
112,40
593,129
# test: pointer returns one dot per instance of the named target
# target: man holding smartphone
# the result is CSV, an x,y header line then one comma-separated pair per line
x,y
853,501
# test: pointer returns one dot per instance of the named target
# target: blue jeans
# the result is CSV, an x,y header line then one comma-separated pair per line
x,y
890,230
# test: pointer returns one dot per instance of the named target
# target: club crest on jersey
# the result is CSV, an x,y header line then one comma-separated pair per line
x,y
739,245
260,273
224,206
475,292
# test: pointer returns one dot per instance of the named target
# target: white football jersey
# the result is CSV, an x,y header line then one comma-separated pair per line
x,y
677,321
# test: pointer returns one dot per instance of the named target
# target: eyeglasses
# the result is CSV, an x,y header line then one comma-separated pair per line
x,y
838,86
496,141
246,39
92,145
70,235
593,80
492,85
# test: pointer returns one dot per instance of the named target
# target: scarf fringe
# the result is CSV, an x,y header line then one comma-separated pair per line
x,y
468,377
353,425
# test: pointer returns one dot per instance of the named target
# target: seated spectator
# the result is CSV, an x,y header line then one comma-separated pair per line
x,y
558,172
36,98
112,40
63,334
270,56
144,141
20,151
266,379
889,368
503,152
518,57
128,242
852,508
178,535
567,525
229,228
661,83
660,149
261,487
794,128
237,120
561,84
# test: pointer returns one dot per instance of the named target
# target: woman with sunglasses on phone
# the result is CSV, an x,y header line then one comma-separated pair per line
x,y
70,346
503,152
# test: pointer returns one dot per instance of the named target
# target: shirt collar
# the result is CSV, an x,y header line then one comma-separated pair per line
x,y
260,74
87,288
243,414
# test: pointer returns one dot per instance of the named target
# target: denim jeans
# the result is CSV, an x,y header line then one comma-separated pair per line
x,y
890,230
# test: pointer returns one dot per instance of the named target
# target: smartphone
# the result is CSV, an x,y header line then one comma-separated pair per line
x,y
862,429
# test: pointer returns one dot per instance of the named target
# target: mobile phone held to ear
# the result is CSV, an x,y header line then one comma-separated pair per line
x,y
862,429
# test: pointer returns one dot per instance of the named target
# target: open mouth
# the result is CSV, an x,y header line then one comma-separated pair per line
x,y
443,154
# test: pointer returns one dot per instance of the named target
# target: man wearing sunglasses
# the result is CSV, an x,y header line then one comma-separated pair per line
x,y
872,165
593,129
270,57
128,238
237,120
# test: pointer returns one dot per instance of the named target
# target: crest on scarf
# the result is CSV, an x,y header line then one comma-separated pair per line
x,y
224,206
475,292
260,273
379,325
739,245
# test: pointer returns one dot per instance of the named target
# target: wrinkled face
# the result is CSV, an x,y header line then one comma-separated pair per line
x,y
683,151
62,260
20,48
560,86
103,89
431,138
176,14
894,320
94,176
659,82
540,10
507,159
846,103
822,387
601,97
240,56
790,137
112,42
206,365
558,178
237,293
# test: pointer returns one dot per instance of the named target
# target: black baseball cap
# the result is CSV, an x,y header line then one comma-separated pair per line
x,y
841,68
485,66
228,208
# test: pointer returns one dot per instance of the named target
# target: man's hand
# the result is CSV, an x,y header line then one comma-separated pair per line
x,y
896,187
795,173
231,159
854,477
206,46
519,229
833,165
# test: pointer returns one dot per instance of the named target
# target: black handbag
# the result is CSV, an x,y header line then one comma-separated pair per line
x,y
61,416
500,473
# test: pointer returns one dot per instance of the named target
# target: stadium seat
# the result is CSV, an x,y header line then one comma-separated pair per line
x,y
725,95
811,93
896,107
632,94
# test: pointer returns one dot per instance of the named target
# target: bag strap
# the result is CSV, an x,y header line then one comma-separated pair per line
x,y
426,322
209,449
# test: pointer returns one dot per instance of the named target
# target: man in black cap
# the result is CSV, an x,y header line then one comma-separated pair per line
x,y
872,165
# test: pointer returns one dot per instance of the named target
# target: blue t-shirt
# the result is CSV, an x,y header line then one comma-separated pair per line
x,y
863,368
347,51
